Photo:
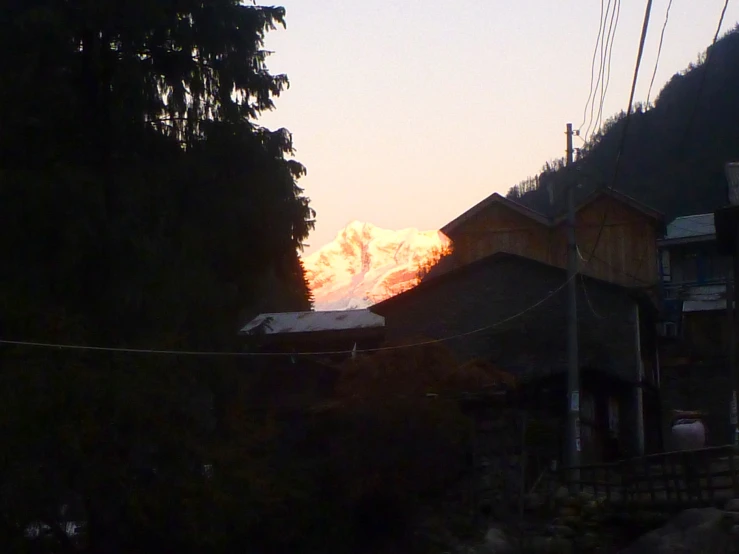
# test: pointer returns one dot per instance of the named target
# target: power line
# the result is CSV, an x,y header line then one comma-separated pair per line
x,y
624,134
592,67
604,44
601,69
607,69
681,145
659,50
587,298
78,347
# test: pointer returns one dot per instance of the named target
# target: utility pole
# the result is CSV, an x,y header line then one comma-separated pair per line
x,y
731,325
732,286
573,365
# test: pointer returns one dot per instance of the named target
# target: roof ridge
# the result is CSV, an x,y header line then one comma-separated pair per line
x,y
542,218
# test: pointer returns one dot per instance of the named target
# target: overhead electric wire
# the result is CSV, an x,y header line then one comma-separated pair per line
x,y
587,299
603,47
624,133
607,66
592,67
659,50
79,347
602,67
682,143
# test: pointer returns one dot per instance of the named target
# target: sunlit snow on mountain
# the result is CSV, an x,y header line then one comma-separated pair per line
x,y
365,264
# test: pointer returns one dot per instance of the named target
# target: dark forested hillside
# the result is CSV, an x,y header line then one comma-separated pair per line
x,y
674,152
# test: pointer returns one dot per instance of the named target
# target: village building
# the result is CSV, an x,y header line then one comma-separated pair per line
x,y
300,352
694,344
335,332
615,233
510,311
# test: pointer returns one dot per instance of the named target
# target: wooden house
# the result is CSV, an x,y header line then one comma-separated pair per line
x,y
622,232
336,332
299,368
510,311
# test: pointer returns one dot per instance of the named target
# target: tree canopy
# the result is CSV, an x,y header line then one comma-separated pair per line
x,y
138,190
142,206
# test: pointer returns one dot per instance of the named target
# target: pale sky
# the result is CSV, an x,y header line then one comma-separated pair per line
x,y
408,112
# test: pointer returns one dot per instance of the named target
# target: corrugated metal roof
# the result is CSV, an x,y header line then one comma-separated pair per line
x,y
691,226
307,322
704,305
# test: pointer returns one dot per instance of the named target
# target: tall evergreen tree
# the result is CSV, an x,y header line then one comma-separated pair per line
x,y
137,184
141,205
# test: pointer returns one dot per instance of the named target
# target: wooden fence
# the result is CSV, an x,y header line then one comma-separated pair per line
x,y
708,476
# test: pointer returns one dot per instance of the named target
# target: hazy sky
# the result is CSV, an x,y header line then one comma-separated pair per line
x,y
408,112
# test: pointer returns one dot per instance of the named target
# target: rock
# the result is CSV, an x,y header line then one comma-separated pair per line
x,y
735,530
732,505
695,531
496,542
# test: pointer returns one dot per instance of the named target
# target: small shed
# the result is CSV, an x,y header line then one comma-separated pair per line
x,y
312,332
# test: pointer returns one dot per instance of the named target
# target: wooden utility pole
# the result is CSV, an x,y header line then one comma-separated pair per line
x,y
726,220
731,330
573,365
731,306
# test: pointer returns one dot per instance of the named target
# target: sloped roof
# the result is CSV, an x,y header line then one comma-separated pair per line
x,y
494,198
308,322
691,227
620,197
496,258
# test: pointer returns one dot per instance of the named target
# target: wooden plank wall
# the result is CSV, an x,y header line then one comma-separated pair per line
x,y
500,229
626,251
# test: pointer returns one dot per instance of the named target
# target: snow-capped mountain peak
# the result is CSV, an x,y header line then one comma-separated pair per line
x,y
365,264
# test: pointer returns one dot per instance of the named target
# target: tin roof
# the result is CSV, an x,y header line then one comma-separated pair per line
x,y
691,226
308,322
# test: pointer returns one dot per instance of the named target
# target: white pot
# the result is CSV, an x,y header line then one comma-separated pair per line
x,y
689,434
